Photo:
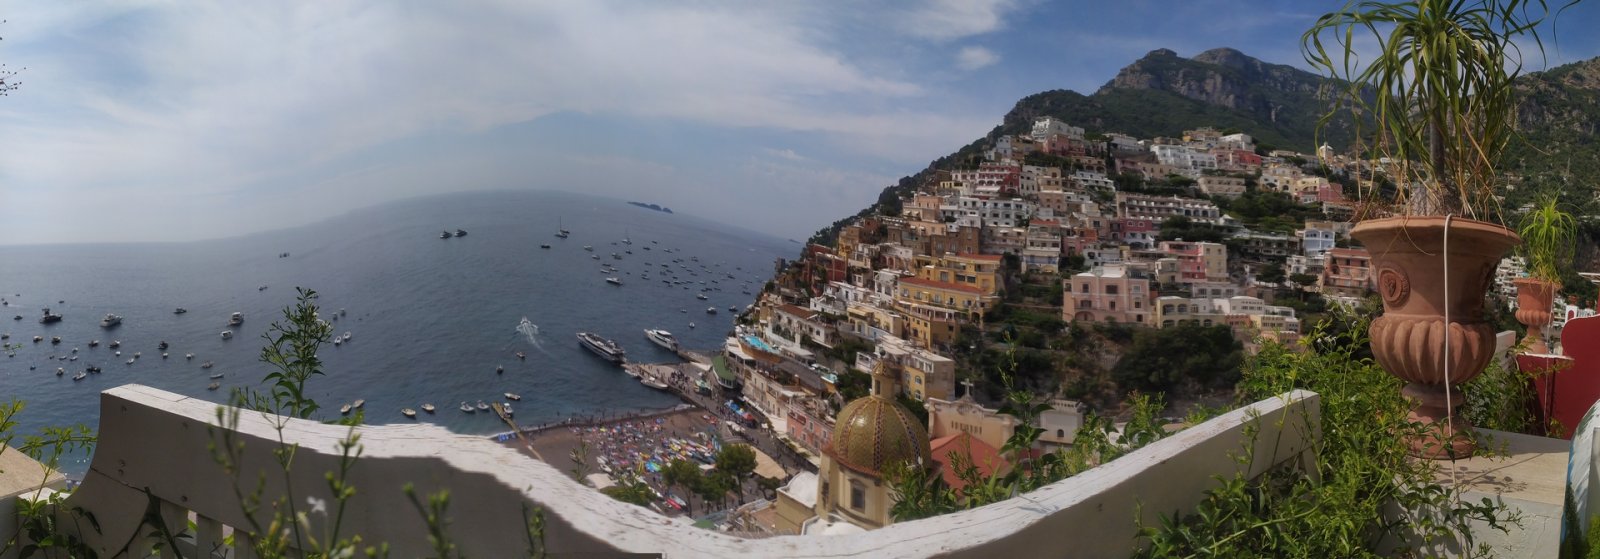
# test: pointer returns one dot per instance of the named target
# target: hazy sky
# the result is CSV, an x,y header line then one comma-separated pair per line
x,y
173,121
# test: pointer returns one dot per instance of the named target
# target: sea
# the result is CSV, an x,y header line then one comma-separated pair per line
x,y
430,319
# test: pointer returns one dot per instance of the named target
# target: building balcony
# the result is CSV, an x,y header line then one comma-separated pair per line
x,y
155,463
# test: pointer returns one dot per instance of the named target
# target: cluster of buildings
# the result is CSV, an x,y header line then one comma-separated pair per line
x,y
893,296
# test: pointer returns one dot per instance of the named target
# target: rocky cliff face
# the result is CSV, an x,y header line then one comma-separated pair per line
x,y
1228,78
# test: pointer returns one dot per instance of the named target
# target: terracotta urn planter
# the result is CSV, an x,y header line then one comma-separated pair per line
x,y
1412,273
1533,310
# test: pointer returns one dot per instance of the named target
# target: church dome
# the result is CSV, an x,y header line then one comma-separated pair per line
x,y
873,432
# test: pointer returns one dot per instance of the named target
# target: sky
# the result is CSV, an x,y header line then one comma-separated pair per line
x,y
166,121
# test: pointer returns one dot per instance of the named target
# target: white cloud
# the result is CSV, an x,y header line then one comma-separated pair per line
x,y
785,153
973,58
954,19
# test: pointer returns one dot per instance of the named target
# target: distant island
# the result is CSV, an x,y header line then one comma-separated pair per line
x,y
651,206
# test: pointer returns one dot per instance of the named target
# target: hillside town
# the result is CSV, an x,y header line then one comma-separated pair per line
x,y
1099,230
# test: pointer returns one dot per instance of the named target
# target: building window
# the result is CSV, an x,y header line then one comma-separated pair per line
x,y
1111,290
858,496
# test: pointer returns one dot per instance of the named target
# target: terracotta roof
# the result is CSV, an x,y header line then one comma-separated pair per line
x,y
940,285
986,458
797,311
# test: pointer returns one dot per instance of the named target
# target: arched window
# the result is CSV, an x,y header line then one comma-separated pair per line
x,y
1061,434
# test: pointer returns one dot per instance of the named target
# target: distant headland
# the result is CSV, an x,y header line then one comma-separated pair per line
x,y
663,209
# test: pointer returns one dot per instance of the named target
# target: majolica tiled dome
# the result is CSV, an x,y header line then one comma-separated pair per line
x,y
873,432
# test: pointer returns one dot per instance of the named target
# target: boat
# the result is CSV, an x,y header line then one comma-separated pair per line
x,y
691,325
55,340
114,344
461,232
408,412
262,288
60,371
482,406
110,320
236,319
93,369
506,409
512,397
206,365
216,376
214,386
499,369
711,310
188,356
544,245
732,308
521,355
652,382
227,334
80,376
358,403
347,336
137,355
48,317
18,317
179,310
605,348
445,235
588,248
467,407
162,346
344,409
130,361
662,338
561,230
92,343
614,281
37,339
427,408
163,355
701,296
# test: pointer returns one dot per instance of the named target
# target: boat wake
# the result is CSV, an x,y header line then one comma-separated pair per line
x,y
530,332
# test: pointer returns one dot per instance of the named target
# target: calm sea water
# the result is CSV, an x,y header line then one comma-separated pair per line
x,y
430,319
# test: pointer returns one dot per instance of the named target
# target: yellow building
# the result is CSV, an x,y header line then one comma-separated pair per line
x,y
954,296
980,271
930,326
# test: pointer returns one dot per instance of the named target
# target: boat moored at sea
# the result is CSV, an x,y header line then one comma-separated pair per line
x,y
512,397
614,281
428,408
110,320
179,310
662,338
603,347
445,235
227,334
711,310
236,319
409,413
461,232
49,317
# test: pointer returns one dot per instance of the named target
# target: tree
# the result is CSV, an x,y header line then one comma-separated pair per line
x,y
1303,280
739,462
630,490
1271,273
683,474
1161,360
714,486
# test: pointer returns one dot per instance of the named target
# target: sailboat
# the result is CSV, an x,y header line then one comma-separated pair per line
x,y
561,230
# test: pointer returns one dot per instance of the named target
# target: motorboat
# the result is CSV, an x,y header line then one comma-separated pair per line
x,y
445,235
214,386
652,382
37,339
482,406
498,369
110,320
163,355
48,317
216,376
711,310
614,281
92,343
60,371
80,376
733,308
701,296
55,340
512,397
188,356
227,334
691,325
606,349
344,409
93,369
262,288
467,407
162,346
130,361
206,365
662,338
408,412
179,310
544,245
461,232
506,409
359,403
114,344
427,408
588,248
521,355
137,355
236,319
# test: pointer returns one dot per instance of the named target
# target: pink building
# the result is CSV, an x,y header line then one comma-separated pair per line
x,y
1108,294
1198,262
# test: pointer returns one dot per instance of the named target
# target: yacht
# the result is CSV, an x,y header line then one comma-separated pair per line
x,y
605,348
512,397
236,319
561,230
662,338
652,382
614,281
48,317
461,232
179,310
110,320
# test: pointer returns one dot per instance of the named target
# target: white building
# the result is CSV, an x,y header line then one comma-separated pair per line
x,y
1046,127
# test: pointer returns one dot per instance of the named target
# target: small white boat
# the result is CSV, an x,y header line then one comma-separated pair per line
x,y
110,320
114,344
512,397
163,355
188,356
428,408
358,403
482,406
691,325
467,407
130,361
236,319
711,310
662,338
344,409
206,365
701,296
499,369
80,375
506,409
338,341
652,382
614,281
60,371
227,334
136,355
346,336
408,412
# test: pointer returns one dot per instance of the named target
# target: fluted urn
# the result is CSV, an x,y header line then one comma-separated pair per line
x,y
1533,310
1432,333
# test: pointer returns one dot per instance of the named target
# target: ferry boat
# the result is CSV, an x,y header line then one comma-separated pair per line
x,y
662,338
110,320
605,348
49,317
236,319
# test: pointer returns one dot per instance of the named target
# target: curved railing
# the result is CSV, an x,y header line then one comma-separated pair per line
x,y
155,461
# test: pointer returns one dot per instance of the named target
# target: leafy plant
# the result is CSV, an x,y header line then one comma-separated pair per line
x,y
1549,239
1439,92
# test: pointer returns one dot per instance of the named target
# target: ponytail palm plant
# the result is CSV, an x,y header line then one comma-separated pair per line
x,y
1439,91
1549,239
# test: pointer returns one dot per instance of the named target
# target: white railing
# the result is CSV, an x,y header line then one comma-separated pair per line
x,y
155,455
